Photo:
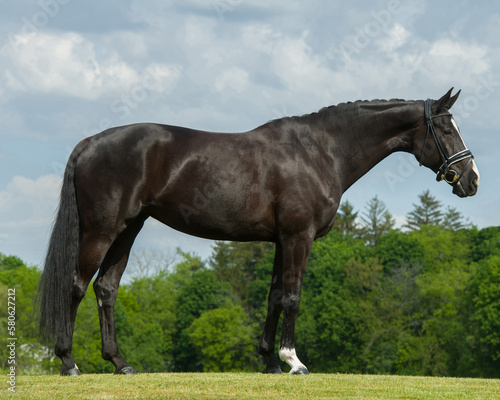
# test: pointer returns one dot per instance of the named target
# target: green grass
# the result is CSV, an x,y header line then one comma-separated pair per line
x,y
251,386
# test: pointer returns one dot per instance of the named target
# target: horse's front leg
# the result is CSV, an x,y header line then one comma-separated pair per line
x,y
274,309
295,255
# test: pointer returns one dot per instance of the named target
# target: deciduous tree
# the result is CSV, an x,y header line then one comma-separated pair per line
x,y
224,340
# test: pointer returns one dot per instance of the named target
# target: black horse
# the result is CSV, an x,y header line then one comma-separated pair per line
x,y
281,182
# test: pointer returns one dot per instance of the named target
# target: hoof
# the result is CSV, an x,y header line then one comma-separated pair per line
x,y
299,371
127,370
276,370
71,372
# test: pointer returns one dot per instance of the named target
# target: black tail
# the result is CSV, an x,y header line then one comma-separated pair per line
x,y
56,286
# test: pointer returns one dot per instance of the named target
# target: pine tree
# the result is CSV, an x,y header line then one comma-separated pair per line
x,y
428,212
346,219
453,219
378,221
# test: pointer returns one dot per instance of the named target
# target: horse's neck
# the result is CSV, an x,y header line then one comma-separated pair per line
x,y
372,136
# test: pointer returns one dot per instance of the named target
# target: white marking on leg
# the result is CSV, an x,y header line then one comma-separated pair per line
x,y
290,357
99,301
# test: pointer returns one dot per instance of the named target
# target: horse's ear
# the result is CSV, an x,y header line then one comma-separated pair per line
x,y
452,100
441,105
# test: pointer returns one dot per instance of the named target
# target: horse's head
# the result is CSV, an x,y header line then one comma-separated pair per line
x,y
440,147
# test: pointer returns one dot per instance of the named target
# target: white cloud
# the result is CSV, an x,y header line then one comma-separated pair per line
x,y
216,55
292,61
398,59
233,78
255,61
65,63
29,203
456,61
27,209
13,83
299,68
261,38
198,31
70,64
396,37
328,76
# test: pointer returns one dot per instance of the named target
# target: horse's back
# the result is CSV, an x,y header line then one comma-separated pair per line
x,y
215,185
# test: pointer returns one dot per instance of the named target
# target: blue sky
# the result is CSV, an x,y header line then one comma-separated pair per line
x,y
70,68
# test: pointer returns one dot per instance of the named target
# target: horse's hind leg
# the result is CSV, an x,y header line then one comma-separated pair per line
x,y
106,291
92,252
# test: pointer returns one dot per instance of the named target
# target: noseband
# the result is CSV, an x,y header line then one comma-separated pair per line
x,y
445,172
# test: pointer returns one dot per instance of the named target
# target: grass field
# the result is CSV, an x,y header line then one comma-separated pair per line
x,y
251,386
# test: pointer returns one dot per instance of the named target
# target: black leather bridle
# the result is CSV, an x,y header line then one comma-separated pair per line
x,y
444,172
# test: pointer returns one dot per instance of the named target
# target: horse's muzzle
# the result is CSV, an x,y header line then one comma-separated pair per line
x,y
466,190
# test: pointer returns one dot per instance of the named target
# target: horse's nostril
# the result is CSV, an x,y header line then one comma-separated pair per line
x,y
473,186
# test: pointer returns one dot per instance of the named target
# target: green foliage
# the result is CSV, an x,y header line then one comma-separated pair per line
x,y
202,293
15,274
484,294
327,338
486,243
443,248
238,264
396,249
224,339
377,300
87,336
145,321
246,267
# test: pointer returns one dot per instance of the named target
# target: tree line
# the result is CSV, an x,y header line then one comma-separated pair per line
x,y
422,300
